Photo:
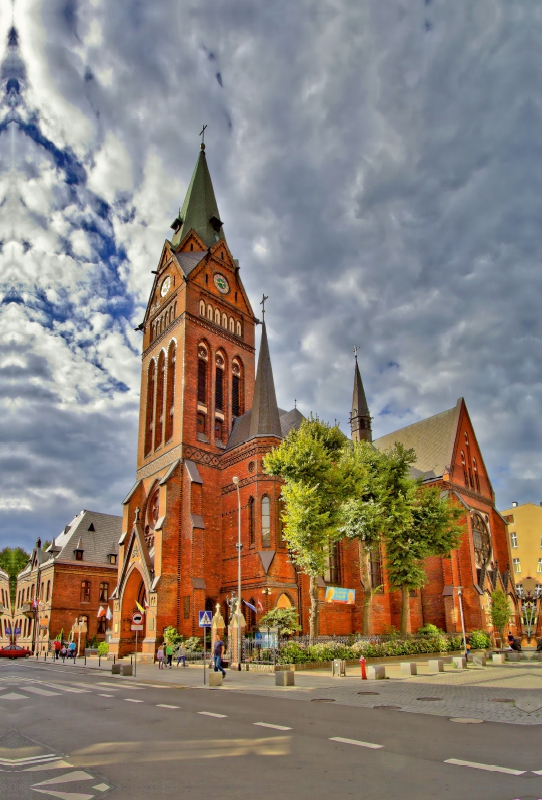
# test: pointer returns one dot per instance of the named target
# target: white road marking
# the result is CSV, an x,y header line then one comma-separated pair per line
x,y
537,771
355,741
61,764
105,695
65,688
268,725
27,760
486,767
65,795
71,776
37,690
101,787
13,696
210,714
132,700
165,705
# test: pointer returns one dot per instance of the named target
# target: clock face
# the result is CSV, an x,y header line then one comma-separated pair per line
x,y
221,283
165,286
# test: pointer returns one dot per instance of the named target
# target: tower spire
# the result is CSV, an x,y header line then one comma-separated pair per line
x,y
360,418
265,420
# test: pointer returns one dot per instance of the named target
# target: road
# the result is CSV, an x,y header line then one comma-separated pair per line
x,y
78,735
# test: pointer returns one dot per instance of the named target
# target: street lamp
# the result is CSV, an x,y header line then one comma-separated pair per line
x,y
239,546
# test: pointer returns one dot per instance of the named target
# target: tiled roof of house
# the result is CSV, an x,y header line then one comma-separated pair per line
x,y
97,543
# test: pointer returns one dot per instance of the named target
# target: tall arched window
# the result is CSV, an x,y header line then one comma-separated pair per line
x,y
203,358
210,313
219,382
217,317
266,522
464,465
170,393
232,325
476,478
236,388
159,427
251,525
238,329
481,540
149,423
224,321
85,592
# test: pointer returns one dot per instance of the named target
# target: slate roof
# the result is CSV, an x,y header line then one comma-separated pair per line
x,y
432,439
97,544
359,401
189,260
241,428
199,206
264,420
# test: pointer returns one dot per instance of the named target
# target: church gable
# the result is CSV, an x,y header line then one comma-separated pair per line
x,y
468,468
168,279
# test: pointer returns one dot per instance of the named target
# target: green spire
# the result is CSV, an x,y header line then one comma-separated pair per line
x,y
199,210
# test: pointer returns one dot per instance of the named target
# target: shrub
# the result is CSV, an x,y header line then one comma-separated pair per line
x,y
391,631
171,637
429,630
193,644
293,653
103,649
479,640
285,619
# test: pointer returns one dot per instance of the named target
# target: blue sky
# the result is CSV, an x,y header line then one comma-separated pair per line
x,y
377,168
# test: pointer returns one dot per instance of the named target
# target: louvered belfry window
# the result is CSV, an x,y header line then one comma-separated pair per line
x,y
202,381
219,389
235,395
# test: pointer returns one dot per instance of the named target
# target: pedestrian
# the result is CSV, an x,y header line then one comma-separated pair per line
x,y
181,655
510,638
169,655
218,652
160,657
71,650
57,647
63,652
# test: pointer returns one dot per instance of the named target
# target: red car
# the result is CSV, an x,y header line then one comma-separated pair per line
x,y
14,651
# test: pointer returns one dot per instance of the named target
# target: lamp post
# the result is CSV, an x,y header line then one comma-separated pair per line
x,y
239,546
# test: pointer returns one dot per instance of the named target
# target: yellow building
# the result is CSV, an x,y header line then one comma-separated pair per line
x,y
525,532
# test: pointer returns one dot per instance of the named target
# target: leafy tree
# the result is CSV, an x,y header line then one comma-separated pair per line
x,y
285,619
307,461
12,561
171,637
500,612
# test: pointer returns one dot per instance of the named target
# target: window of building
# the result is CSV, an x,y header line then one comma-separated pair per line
x,y
251,521
476,478
219,383
85,591
202,374
219,429
210,313
149,426
539,565
376,573
217,317
237,389
513,539
153,509
509,518
238,328
464,465
159,426
266,522
104,592
201,422
232,325
467,439
481,540
112,558
517,564
78,555
48,593
225,321
331,571
170,392
201,308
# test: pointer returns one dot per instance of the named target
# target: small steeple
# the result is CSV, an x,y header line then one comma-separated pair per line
x,y
265,420
199,210
360,418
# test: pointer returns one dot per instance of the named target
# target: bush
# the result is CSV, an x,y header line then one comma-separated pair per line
x,y
294,653
171,637
193,644
479,640
285,619
103,649
429,630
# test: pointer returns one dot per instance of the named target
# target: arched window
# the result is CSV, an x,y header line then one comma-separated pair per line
x,y
153,510
375,566
85,592
201,426
219,382
210,313
332,571
481,541
467,439
104,592
217,316
236,388
170,392
251,525
149,424
464,465
232,325
238,329
476,478
224,321
159,427
219,430
203,358
266,522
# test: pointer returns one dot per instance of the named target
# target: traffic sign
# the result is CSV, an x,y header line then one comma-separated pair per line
x,y
205,619
137,627
137,618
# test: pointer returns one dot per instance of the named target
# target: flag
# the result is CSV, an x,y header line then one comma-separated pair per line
x,y
101,612
108,614
250,605
140,608
145,603
259,604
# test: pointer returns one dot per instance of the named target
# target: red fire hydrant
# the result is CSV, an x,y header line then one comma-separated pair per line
x,y
363,669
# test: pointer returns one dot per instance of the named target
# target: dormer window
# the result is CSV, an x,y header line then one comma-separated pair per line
x,y
78,551
112,558
216,224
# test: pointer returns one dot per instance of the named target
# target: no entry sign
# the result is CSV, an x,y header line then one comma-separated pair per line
x,y
137,618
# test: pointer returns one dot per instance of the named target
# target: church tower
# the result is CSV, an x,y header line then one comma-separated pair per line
x,y
360,418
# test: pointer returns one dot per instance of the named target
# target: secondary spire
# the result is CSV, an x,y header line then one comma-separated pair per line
x,y
360,418
265,420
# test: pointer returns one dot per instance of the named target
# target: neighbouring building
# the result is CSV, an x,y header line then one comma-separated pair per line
x,y
525,536
69,581
208,416
5,608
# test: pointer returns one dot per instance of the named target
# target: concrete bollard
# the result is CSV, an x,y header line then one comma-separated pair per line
x,y
513,656
409,668
436,665
126,669
479,661
498,658
215,679
459,662
376,673
115,669
285,677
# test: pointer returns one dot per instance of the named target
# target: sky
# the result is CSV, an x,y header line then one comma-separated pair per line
x,y
377,166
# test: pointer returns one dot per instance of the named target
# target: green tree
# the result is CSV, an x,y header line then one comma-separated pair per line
x,y
12,561
500,612
285,619
307,460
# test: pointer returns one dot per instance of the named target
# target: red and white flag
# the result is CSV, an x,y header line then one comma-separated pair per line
x,y
101,612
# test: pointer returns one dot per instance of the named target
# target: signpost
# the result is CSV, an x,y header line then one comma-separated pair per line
x,y
137,625
205,621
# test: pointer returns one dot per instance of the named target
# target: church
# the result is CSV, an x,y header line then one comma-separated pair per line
x,y
208,416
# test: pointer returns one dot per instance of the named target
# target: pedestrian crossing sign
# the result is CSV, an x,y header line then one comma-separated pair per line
x,y
205,619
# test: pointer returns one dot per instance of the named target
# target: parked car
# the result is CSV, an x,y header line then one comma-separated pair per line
x,y
14,651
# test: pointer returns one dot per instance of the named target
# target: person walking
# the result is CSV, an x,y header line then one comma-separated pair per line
x,y
169,655
71,650
181,655
160,657
218,652
57,645
63,652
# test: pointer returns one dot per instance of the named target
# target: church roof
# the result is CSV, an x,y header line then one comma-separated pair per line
x,y
200,209
359,401
265,419
432,439
241,427
96,542
189,260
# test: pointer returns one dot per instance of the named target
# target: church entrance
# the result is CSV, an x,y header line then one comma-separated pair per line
x,y
134,592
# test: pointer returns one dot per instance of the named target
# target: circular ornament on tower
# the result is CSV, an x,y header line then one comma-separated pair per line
x,y
221,283
166,283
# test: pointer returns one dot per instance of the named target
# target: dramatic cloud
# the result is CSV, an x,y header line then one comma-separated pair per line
x,y
377,166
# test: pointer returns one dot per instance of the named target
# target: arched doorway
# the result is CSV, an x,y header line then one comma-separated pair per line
x,y
134,591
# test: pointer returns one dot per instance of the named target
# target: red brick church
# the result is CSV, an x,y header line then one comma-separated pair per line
x,y
207,416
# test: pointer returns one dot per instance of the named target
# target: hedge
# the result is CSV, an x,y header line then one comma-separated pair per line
x,y
294,653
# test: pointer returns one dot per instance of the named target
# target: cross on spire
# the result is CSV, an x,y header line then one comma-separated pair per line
x,y
355,351
264,298
202,134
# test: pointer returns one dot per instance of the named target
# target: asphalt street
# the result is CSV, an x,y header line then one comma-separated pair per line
x,y
73,734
